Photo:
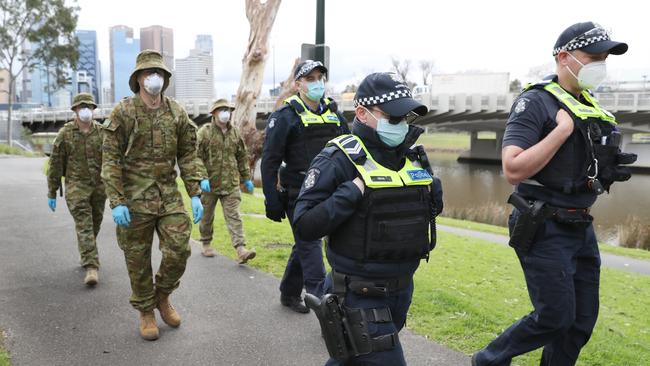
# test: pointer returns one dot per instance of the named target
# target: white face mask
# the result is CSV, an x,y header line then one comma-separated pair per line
x,y
223,116
85,115
590,75
153,84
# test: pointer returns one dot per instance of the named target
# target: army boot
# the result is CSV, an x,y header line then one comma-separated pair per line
x,y
148,326
91,276
244,255
167,311
207,251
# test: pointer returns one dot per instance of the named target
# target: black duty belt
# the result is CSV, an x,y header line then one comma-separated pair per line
x,y
369,286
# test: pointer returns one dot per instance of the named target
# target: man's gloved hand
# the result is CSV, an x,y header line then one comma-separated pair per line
x,y
121,215
205,185
52,203
197,209
249,186
275,213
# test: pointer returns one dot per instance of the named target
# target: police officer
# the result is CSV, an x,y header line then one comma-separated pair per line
x,y
561,150
371,196
77,156
146,136
224,155
294,135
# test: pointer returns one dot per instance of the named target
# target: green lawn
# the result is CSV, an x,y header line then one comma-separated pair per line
x,y
471,290
626,252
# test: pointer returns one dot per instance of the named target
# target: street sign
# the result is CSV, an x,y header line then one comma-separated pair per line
x,y
308,52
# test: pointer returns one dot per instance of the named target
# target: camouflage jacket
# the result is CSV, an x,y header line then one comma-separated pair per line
x,y
141,149
77,157
224,156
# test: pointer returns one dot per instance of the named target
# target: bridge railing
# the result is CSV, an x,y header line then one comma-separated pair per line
x,y
438,104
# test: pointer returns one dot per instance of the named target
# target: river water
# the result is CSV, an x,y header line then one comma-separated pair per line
x,y
474,185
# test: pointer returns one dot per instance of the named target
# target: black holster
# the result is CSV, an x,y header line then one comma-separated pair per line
x,y
532,216
345,329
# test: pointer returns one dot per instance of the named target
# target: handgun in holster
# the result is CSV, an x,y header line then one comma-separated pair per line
x,y
331,317
532,216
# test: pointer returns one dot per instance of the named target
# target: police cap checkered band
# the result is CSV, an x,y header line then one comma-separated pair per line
x,y
588,37
381,99
390,92
305,67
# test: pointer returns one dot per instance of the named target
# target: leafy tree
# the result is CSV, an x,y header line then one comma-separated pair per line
x,y
515,86
48,26
427,68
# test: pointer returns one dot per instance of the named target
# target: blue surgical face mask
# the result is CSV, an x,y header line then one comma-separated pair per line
x,y
389,133
316,90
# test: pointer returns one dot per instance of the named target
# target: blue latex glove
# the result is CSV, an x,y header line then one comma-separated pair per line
x,y
52,203
121,215
205,185
249,186
197,209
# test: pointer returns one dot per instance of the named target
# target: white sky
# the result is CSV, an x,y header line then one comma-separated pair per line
x,y
497,36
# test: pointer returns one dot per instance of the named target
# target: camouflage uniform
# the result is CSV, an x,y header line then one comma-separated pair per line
x,y
226,160
141,150
77,156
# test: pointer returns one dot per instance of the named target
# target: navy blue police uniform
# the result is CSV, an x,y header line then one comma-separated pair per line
x,y
369,273
562,264
294,135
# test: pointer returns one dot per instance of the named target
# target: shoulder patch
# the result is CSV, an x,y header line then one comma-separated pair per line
x,y
109,125
521,105
311,178
272,122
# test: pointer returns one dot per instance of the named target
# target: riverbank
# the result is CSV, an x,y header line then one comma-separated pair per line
x,y
471,289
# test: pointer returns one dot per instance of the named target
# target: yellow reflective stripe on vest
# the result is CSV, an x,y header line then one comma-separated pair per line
x,y
309,118
580,110
377,176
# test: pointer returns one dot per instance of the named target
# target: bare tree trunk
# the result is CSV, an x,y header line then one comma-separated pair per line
x,y
261,17
288,86
10,109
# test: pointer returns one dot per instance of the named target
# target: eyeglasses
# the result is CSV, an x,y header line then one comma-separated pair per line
x,y
409,118
596,34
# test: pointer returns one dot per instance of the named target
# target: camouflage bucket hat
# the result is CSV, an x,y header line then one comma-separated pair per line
x,y
148,59
83,98
221,103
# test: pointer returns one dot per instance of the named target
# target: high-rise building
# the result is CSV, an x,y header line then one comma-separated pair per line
x,y
160,39
195,77
124,50
203,43
39,83
87,77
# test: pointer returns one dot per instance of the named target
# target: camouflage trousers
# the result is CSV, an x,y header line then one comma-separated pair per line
x,y
230,207
172,225
87,213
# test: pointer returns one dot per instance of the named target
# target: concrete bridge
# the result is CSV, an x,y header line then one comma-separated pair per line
x,y
460,112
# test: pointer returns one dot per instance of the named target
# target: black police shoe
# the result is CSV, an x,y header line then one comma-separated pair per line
x,y
294,303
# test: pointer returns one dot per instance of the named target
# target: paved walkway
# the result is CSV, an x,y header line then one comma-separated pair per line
x,y
231,313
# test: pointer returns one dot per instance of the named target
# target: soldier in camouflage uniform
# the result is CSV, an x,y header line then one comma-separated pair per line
x,y
144,138
77,156
224,155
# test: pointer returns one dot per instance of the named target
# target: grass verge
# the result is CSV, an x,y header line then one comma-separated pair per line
x,y
12,150
5,360
471,290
